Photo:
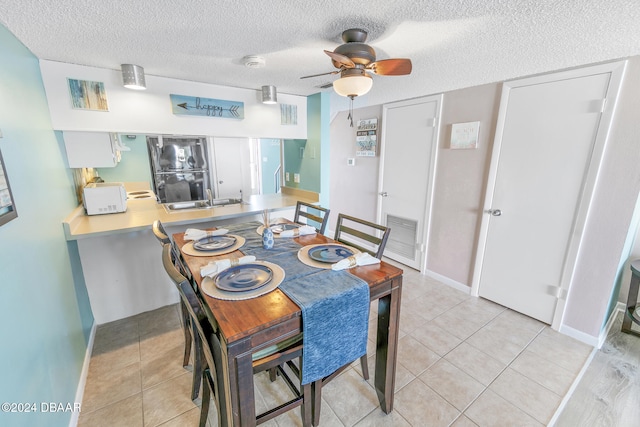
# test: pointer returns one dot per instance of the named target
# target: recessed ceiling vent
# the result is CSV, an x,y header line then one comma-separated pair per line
x,y
253,61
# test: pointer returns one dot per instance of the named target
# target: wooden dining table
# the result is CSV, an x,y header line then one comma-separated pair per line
x,y
249,325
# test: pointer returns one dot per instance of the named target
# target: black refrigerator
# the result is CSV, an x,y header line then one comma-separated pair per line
x,y
179,167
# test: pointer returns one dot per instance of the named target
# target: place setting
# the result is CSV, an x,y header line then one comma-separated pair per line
x,y
211,243
335,256
240,278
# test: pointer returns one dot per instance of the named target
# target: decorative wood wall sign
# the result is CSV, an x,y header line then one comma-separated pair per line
x,y
195,106
367,138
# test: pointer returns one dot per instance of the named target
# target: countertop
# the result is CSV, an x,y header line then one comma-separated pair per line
x,y
141,214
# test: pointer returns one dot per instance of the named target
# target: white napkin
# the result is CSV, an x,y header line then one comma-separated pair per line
x,y
215,267
195,234
300,231
362,258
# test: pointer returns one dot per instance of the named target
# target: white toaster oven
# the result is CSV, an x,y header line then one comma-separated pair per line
x,y
104,198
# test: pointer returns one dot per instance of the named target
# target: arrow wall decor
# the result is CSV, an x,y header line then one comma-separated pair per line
x,y
196,106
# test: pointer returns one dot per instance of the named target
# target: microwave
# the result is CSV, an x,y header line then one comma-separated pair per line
x,y
104,198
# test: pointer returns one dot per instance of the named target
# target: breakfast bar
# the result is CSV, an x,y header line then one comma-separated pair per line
x,y
120,255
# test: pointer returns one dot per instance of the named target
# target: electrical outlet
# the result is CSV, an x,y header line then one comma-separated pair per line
x,y
351,161
287,177
296,178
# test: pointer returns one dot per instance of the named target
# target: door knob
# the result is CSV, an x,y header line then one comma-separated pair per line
x,y
494,212
383,193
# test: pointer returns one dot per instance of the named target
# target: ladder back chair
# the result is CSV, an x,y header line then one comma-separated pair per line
x,y
271,359
365,236
190,337
308,214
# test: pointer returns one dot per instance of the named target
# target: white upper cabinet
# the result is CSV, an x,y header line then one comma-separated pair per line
x,y
91,149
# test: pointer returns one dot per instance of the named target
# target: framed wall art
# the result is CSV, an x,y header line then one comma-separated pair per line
x,y
7,206
88,95
464,135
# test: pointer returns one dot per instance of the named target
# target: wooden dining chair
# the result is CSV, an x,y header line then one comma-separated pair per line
x,y
365,236
309,214
190,337
267,359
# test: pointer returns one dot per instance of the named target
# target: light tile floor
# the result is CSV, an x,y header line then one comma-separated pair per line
x,y
462,361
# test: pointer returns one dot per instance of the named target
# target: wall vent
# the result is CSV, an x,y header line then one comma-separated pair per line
x,y
402,239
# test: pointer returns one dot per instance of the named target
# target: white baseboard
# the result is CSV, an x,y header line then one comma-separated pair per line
x,y
83,376
600,340
449,282
594,341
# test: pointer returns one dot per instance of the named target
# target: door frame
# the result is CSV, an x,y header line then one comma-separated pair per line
x,y
433,155
617,70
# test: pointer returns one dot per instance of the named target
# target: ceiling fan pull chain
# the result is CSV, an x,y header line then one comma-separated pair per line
x,y
350,116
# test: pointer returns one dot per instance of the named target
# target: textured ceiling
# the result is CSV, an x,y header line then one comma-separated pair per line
x,y
452,43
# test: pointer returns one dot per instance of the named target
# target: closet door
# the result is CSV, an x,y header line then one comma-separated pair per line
x,y
550,139
407,167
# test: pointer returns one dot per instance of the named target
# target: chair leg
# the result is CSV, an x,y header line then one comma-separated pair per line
x,y
197,366
365,367
186,328
206,397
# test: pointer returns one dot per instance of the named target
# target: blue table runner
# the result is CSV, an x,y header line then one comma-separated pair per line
x,y
334,304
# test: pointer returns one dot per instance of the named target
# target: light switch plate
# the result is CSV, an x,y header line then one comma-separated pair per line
x,y
296,178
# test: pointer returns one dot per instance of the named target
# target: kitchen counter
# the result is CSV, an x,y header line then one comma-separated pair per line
x,y
120,255
141,214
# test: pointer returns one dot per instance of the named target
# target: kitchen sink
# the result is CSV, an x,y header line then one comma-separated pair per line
x,y
200,204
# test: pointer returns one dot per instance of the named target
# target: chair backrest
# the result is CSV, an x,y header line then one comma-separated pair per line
x,y
160,232
308,214
362,234
163,237
212,349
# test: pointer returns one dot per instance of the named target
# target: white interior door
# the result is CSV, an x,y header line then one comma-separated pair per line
x,y
550,138
407,167
232,167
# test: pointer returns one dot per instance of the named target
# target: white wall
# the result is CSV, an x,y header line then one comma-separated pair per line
x,y
353,189
149,111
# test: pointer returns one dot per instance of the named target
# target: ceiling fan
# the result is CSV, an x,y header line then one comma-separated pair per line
x,y
354,60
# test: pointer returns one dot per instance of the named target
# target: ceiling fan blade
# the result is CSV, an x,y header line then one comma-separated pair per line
x,y
322,74
345,61
391,67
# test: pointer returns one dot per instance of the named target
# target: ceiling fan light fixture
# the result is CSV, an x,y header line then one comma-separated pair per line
x,y
353,85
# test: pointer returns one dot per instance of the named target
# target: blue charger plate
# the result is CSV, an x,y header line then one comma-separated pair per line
x,y
329,253
243,277
214,243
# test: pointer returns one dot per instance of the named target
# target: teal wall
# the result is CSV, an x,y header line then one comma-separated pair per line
x,y
320,126
306,156
269,162
45,316
292,152
134,164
